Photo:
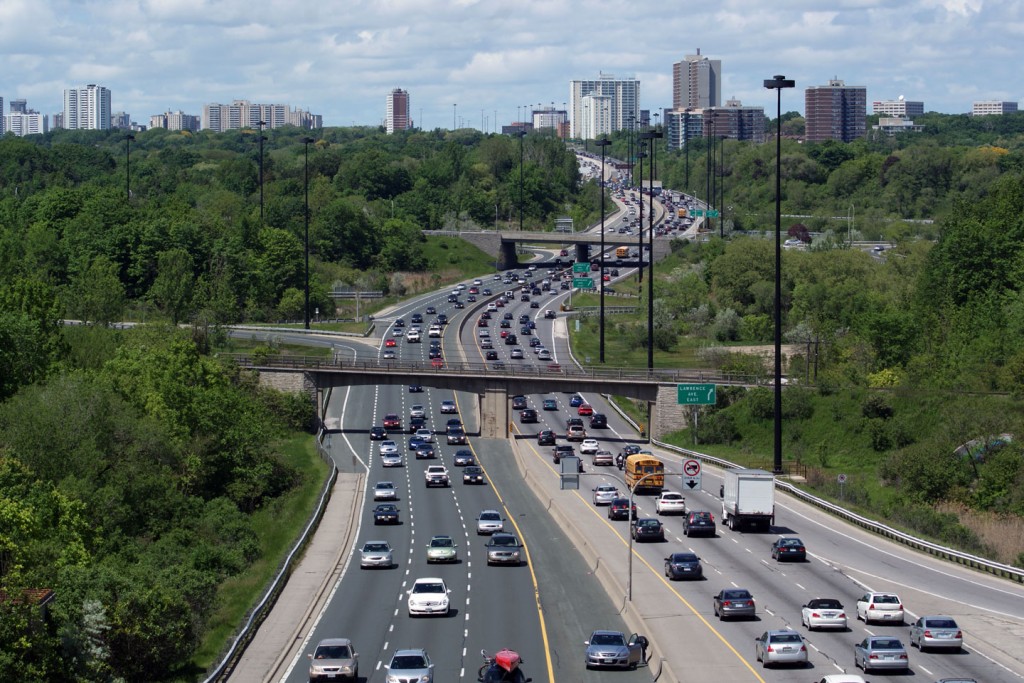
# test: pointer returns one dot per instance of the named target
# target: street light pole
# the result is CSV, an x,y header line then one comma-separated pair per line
x,y
306,141
262,123
721,187
655,135
640,202
521,134
128,165
777,84
602,143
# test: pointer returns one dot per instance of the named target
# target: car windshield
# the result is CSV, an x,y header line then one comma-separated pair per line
x,y
825,604
886,644
428,588
608,639
408,662
442,543
504,541
375,548
332,652
785,638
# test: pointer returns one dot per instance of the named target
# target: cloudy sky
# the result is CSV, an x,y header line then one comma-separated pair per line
x,y
339,58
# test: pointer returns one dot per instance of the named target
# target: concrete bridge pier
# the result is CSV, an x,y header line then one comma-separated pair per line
x,y
582,253
508,258
494,415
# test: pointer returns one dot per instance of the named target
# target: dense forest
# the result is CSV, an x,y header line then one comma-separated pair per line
x,y
132,464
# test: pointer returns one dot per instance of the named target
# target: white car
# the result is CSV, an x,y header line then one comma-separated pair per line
x,y
589,447
604,494
670,502
376,554
425,435
412,336
428,596
385,490
391,459
449,407
388,446
880,607
492,308
399,332
434,331
417,410
489,522
823,613
543,354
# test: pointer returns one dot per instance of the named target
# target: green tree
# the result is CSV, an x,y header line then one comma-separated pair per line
x,y
173,286
97,294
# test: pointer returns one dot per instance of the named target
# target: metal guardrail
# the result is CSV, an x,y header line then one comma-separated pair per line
x,y
657,375
973,561
270,595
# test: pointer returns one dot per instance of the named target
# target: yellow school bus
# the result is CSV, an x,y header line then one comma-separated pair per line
x,y
638,466
622,252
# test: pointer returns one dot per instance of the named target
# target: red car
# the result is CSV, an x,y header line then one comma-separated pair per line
x,y
390,343
585,409
437,363
481,323
392,421
504,333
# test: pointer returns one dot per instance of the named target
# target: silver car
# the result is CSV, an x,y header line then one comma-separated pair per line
x,y
391,459
780,647
880,652
376,554
503,548
936,633
332,659
410,665
489,522
385,490
613,649
605,494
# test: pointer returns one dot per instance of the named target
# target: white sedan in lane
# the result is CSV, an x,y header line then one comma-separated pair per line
x,y
604,494
589,447
385,490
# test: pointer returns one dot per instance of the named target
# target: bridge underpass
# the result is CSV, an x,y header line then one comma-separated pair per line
x,y
493,388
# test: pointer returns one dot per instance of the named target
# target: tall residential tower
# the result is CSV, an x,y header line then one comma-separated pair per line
x,y
696,82
397,116
87,108
623,105
835,112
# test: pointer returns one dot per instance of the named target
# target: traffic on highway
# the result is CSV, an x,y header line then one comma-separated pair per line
x,y
465,545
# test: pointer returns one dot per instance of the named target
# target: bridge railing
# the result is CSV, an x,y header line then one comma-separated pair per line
x,y
493,368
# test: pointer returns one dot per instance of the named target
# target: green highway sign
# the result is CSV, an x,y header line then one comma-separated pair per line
x,y
697,213
581,267
583,282
713,213
695,394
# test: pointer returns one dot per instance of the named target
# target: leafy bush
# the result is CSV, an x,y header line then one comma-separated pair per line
x,y
876,406
717,428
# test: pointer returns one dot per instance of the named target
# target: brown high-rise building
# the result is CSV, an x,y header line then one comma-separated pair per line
x,y
835,112
397,117
696,82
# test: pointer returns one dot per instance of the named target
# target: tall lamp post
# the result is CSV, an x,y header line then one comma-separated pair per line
x,y
602,143
262,124
650,258
641,155
521,134
777,84
721,187
128,165
306,141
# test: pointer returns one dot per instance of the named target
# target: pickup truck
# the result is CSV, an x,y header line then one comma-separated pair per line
x,y
437,475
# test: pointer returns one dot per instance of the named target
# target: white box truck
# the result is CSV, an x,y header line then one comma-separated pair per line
x,y
748,499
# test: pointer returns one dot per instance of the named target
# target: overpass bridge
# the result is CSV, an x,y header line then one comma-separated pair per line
x,y
493,386
502,244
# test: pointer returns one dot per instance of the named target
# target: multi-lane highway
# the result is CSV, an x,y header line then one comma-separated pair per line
x,y
546,607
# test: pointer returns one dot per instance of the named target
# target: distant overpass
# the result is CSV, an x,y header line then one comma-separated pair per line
x,y
501,244
493,386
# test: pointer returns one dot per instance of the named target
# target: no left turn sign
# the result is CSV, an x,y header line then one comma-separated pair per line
x,y
691,468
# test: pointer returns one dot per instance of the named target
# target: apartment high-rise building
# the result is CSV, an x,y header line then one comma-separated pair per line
x,y
623,103
682,125
595,116
735,121
899,107
696,82
835,112
245,114
87,108
990,107
22,120
175,120
397,114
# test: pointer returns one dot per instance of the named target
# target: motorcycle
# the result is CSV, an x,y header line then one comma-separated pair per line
x,y
503,667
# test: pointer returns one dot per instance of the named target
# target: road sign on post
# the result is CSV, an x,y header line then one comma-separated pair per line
x,y
581,267
695,394
583,282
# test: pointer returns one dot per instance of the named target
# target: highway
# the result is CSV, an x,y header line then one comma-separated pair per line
x,y
547,607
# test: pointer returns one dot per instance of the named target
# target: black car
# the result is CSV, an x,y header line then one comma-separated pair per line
x,y
417,318
505,324
399,323
385,513
511,340
473,474
442,319
491,355
647,529
415,389
453,422
434,353
431,310
699,523
377,433
459,304
426,452
518,402
789,549
619,509
416,423
569,422
598,421
560,451
523,319
683,566
464,457
545,437
529,415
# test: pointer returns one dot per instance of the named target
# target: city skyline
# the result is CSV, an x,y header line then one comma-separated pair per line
x,y
339,59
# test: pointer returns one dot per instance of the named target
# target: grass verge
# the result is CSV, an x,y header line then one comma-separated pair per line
x,y
277,526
